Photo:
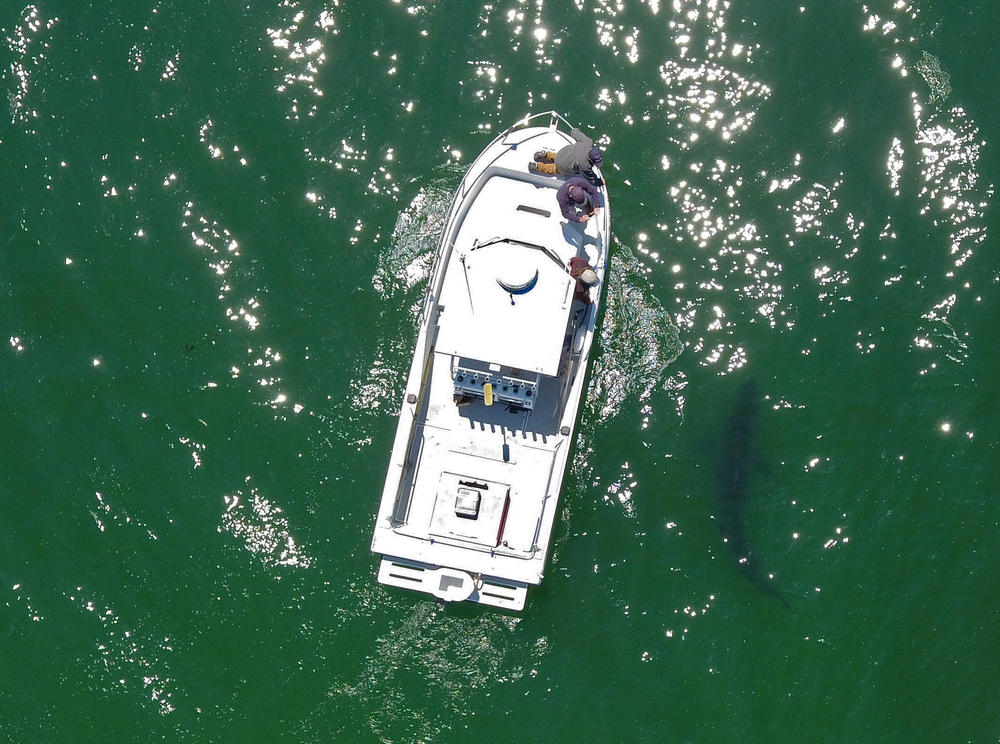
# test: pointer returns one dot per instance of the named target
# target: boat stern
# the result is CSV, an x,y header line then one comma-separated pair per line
x,y
452,584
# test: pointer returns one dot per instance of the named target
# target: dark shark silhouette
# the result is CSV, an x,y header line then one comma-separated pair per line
x,y
737,457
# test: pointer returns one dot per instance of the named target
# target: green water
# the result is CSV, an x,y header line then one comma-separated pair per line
x,y
216,224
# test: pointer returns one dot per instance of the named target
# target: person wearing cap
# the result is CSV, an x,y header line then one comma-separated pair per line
x,y
585,277
578,200
577,159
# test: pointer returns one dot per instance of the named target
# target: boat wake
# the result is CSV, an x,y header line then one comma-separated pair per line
x,y
400,279
456,659
639,340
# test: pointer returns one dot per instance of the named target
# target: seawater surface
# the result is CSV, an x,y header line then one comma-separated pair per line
x,y
216,226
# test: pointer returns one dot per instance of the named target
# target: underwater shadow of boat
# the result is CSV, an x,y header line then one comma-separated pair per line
x,y
737,459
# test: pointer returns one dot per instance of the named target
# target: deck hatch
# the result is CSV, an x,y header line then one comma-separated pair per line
x,y
467,502
469,509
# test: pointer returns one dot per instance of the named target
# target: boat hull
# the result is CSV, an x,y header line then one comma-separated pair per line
x,y
492,395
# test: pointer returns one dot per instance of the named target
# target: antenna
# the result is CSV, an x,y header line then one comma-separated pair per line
x,y
467,286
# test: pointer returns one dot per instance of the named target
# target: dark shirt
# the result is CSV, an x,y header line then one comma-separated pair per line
x,y
577,266
570,209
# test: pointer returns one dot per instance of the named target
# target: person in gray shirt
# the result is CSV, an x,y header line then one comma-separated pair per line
x,y
577,159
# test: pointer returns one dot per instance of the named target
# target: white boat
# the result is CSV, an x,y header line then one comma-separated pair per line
x,y
491,400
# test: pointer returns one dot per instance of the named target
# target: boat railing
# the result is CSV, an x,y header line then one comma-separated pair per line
x,y
401,506
549,253
579,327
554,119
477,168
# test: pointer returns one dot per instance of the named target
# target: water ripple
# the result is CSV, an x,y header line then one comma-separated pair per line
x,y
262,528
400,279
28,45
127,657
638,341
301,54
457,659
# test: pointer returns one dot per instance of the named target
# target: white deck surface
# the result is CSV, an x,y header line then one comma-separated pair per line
x,y
486,322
